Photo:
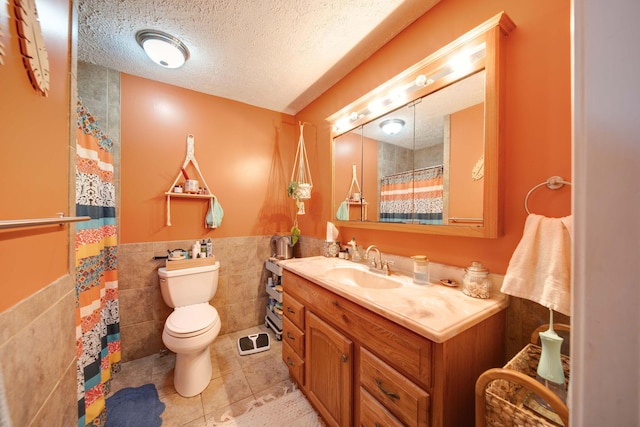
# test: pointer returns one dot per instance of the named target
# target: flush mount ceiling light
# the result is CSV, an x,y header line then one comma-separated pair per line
x,y
163,49
392,126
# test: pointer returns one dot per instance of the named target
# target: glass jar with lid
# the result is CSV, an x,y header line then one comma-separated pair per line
x,y
476,281
420,269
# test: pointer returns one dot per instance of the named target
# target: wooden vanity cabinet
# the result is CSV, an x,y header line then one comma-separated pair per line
x,y
361,369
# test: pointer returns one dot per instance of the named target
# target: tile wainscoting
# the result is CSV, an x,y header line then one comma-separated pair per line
x,y
38,357
241,298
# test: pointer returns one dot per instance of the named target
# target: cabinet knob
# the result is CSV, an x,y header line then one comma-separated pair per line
x,y
290,310
290,362
391,395
291,337
344,358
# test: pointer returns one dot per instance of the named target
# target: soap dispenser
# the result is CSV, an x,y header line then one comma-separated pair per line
x,y
355,252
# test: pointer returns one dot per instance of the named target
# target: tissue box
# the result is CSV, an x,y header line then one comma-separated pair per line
x,y
330,249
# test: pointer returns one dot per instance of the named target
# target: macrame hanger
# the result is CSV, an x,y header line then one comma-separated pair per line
x,y
301,164
354,180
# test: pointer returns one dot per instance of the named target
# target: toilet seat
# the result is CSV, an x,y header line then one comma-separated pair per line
x,y
191,320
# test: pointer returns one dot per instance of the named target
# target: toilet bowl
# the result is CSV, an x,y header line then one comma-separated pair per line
x,y
192,326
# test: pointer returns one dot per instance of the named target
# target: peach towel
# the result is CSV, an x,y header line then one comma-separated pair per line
x,y
540,267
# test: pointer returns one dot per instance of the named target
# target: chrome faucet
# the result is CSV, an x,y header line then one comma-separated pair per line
x,y
373,262
377,266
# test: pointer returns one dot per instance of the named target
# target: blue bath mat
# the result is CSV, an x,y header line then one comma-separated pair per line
x,y
135,407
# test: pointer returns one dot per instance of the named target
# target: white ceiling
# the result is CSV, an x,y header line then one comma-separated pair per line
x,y
275,54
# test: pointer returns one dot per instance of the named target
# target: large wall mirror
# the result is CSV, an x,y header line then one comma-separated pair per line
x,y
421,152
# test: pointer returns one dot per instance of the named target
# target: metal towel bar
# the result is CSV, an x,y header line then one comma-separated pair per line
x,y
18,223
552,183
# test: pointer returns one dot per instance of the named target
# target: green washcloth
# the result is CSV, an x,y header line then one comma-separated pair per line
x,y
214,215
343,212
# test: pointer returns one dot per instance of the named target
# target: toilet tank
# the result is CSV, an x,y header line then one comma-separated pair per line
x,y
188,286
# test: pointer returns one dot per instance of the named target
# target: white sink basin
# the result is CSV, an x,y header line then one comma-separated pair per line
x,y
359,276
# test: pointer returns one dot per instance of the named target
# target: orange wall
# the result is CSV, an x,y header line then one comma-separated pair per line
x,y
245,154
352,148
537,120
34,136
467,145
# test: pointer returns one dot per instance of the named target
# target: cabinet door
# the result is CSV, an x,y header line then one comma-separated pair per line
x,y
329,372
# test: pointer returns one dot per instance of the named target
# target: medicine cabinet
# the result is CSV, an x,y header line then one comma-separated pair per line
x,y
438,171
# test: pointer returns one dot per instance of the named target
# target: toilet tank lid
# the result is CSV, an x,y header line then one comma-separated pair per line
x,y
163,272
191,318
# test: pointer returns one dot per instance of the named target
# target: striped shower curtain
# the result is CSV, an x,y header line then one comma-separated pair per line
x,y
97,312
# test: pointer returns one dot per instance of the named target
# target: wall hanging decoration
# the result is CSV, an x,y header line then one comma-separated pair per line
x,y
1,47
301,183
34,52
194,189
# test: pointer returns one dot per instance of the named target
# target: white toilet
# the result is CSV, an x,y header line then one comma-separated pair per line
x,y
192,326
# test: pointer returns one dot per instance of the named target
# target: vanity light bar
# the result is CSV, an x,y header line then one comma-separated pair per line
x,y
399,95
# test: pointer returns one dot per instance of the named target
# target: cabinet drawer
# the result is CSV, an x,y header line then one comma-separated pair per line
x,y
373,414
293,310
294,363
293,336
408,402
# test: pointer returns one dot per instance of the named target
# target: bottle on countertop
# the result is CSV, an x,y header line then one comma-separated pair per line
x,y
355,252
203,249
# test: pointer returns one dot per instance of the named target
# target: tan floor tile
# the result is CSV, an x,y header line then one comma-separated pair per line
x,y
233,410
225,390
224,357
264,373
276,390
179,410
200,422
162,371
133,374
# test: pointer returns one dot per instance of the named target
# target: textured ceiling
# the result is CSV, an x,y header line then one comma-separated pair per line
x,y
274,54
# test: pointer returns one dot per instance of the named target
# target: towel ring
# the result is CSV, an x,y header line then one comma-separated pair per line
x,y
552,183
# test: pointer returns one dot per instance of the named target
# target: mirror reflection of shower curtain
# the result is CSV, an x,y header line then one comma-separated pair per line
x,y
97,307
413,197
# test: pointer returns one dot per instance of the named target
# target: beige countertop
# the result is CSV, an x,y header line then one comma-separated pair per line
x,y
435,311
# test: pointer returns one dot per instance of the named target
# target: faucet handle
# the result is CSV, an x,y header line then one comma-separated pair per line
x,y
385,266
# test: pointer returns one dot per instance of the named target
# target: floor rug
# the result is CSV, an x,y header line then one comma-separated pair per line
x,y
135,407
291,410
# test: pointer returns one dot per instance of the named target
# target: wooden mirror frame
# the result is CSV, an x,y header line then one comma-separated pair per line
x,y
491,35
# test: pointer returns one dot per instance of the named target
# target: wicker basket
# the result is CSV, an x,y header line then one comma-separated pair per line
x,y
505,400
